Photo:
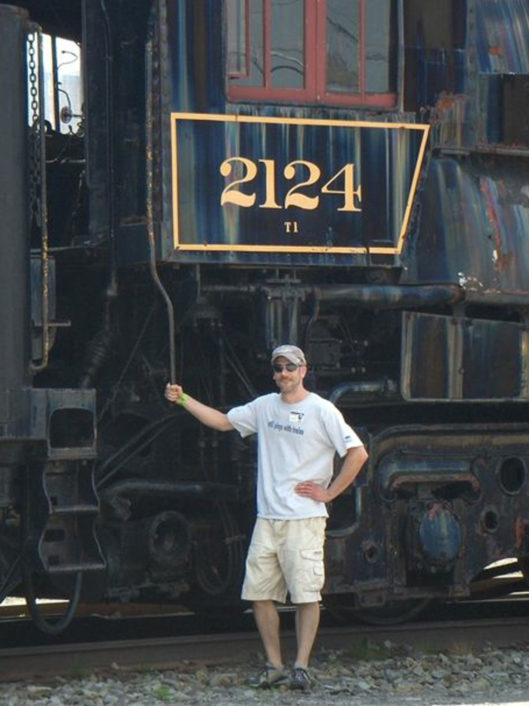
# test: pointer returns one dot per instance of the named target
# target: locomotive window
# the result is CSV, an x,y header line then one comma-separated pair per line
x,y
286,45
265,43
343,46
332,51
62,90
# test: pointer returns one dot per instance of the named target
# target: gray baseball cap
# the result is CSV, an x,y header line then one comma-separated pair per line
x,y
292,353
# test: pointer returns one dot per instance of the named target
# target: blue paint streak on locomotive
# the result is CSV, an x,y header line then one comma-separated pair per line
x,y
481,239
502,46
502,62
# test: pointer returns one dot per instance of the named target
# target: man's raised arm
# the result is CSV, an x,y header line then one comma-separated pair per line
x,y
207,415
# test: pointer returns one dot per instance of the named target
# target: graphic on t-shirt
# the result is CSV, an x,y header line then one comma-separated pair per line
x,y
277,426
295,417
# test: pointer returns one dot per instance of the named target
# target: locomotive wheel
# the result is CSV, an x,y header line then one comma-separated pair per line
x,y
219,559
57,626
392,613
10,566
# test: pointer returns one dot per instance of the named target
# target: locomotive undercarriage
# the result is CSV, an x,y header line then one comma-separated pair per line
x,y
169,504
177,499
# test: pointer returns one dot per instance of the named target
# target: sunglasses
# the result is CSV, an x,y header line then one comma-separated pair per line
x,y
278,368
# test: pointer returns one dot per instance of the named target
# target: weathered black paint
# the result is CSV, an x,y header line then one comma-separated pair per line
x,y
423,347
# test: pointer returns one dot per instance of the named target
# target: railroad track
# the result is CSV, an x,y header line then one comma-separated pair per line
x,y
75,658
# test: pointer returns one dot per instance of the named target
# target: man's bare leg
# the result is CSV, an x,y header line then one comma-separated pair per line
x,y
307,621
267,621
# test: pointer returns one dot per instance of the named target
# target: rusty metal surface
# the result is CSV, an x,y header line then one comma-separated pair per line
x,y
482,229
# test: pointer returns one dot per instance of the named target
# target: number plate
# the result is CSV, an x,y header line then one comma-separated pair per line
x,y
254,184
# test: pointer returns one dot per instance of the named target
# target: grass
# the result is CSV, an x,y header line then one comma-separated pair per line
x,y
163,693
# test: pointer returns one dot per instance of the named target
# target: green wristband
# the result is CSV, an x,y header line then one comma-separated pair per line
x,y
183,399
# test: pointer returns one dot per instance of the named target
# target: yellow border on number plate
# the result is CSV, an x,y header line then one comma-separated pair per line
x,y
175,117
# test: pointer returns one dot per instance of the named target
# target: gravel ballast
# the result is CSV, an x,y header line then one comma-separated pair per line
x,y
369,674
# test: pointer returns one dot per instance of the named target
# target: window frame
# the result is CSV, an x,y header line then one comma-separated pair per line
x,y
246,72
315,51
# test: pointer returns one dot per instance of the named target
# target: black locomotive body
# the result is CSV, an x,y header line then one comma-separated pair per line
x,y
347,175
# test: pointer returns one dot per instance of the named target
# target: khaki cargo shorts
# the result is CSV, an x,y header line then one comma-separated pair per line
x,y
285,556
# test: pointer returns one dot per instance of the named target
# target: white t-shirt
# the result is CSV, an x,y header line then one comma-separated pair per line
x,y
295,442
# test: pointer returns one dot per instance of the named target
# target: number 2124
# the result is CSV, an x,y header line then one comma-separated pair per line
x,y
341,183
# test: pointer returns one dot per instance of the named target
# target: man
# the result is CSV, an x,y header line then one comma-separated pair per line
x,y
298,434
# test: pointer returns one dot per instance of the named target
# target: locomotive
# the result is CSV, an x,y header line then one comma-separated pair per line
x,y
186,184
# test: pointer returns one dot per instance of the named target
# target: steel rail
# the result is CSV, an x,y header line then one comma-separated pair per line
x,y
177,652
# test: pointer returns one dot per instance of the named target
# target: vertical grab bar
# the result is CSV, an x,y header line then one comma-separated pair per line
x,y
38,157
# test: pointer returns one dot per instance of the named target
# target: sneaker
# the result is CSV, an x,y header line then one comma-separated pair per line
x,y
300,679
270,676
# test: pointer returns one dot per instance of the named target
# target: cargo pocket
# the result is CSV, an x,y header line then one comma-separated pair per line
x,y
313,569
